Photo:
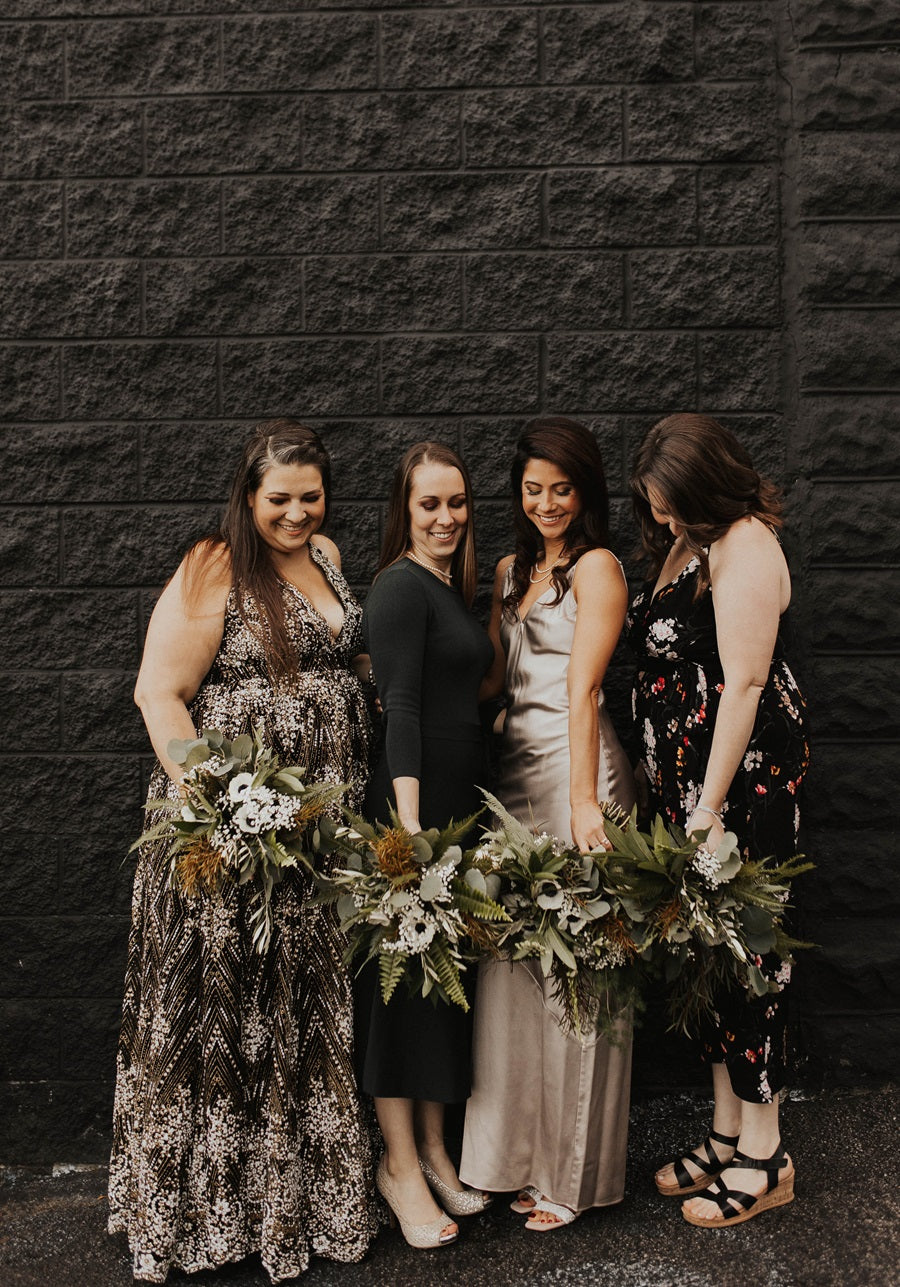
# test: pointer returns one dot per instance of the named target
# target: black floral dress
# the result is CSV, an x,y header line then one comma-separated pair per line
x,y
676,697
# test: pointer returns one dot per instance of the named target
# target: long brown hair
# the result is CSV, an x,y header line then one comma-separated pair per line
x,y
707,481
464,568
570,446
253,574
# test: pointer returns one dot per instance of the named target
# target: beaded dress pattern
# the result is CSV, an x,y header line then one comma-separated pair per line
x,y
676,697
237,1125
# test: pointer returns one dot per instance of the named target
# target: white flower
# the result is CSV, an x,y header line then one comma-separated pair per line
x,y
188,814
663,629
248,819
707,864
239,787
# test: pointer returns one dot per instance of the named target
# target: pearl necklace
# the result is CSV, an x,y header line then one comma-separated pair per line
x,y
430,567
542,576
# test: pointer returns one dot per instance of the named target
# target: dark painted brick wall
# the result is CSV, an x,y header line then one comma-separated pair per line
x,y
406,220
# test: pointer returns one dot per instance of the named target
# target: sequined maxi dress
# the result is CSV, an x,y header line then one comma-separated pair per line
x,y
676,697
237,1124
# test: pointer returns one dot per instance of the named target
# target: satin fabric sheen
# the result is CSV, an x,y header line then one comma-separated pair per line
x,y
547,1109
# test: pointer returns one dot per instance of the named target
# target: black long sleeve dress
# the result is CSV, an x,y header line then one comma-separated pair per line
x,y
429,655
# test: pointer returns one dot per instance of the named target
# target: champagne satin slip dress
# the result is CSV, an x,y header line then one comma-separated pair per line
x,y
548,1108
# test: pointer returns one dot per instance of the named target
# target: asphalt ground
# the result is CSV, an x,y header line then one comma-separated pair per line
x,y
843,1229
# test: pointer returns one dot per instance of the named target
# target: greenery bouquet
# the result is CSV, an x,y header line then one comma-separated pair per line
x,y
416,903
564,912
707,916
243,817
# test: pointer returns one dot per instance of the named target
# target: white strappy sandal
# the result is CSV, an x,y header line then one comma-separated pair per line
x,y
526,1208
563,1216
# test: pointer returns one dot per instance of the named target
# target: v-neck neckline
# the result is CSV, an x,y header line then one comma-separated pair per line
x,y
316,555
667,585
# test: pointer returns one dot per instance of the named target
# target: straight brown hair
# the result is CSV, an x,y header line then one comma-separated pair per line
x,y
464,568
253,575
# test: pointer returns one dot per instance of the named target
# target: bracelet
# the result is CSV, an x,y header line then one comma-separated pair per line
x,y
703,808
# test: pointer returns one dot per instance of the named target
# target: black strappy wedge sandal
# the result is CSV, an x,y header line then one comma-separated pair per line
x,y
734,1206
711,1167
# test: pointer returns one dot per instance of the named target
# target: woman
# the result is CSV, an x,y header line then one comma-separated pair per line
x,y
429,655
723,746
549,1110
237,1124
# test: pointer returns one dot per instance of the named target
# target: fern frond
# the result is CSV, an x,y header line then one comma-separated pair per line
x,y
391,968
447,972
475,903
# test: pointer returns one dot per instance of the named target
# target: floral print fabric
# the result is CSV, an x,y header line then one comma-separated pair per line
x,y
237,1124
676,697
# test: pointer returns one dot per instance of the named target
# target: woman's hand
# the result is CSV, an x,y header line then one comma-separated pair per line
x,y
587,827
700,820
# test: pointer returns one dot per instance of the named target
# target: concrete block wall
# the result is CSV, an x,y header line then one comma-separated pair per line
x,y
396,221
841,227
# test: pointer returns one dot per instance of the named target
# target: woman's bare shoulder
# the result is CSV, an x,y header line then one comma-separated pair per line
x,y
328,548
204,576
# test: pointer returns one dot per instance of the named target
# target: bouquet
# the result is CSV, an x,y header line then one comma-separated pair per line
x,y
243,816
564,912
414,902
709,915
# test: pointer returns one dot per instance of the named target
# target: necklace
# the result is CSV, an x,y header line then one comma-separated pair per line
x,y
542,576
430,567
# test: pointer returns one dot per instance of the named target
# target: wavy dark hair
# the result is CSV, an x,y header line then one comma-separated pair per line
x,y
570,446
707,482
253,574
464,568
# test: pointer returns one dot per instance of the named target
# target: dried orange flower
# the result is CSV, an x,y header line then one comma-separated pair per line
x,y
395,855
200,866
668,915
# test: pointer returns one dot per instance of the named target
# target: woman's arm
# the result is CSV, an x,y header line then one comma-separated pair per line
x,y
182,640
396,626
750,587
494,681
602,598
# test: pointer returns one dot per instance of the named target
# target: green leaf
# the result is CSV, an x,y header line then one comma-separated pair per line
x,y
242,747
555,942
447,971
475,880
421,849
391,968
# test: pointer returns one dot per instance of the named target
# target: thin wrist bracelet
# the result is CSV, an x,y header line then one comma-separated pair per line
x,y
704,808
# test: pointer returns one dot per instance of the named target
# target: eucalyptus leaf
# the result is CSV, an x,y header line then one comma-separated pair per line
x,y
730,867
346,908
493,885
475,880
422,850
430,886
